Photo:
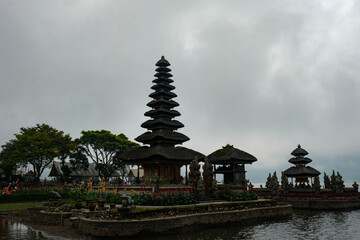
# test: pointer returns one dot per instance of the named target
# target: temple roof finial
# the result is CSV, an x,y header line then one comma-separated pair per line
x,y
162,62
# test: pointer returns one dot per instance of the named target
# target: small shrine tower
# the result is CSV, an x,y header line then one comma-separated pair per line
x,y
230,162
159,156
301,172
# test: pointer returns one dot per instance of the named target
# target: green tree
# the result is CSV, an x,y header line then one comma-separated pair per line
x,y
9,163
78,160
37,146
104,149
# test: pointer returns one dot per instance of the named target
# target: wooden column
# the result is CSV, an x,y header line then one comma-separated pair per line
x,y
138,175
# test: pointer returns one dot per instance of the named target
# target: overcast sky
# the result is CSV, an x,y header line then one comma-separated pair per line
x,y
263,76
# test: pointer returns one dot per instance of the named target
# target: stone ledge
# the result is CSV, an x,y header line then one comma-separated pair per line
x,y
54,218
324,204
98,228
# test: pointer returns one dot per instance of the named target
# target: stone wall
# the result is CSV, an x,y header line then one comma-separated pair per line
x,y
134,227
324,204
53,218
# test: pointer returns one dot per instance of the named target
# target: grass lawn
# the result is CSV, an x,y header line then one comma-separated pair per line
x,y
18,206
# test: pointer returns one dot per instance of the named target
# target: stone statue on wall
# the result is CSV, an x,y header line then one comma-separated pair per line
x,y
272,183
275,184
268,181
207,176
317,185
194,174
327,183
339,182
355,186
333,181
284,183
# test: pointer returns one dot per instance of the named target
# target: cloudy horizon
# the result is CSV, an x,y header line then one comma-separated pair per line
x,y
263,76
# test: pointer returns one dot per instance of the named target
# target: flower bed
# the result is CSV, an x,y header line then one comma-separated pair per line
x,y
165,198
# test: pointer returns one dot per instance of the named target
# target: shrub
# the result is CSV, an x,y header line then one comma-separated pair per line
x,y
113,198
246,196
24,197
165,198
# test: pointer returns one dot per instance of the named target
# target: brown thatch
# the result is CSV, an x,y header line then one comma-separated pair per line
x,y
161,154
162,86
300,160
57,172
162,93
299,151
162,124
29,174
162,62
301,172
162,102
162,136
162,112
229,154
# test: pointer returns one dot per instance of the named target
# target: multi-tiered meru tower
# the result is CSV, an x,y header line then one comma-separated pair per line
x,y
301,172
159,156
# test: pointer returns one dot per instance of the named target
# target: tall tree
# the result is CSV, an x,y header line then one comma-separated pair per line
x,y
78,160
37,146
8,162
104,149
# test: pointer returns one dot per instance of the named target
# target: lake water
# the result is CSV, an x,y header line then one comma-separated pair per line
x,y
301,225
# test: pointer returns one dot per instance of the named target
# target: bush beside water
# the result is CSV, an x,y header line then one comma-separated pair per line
x,y
24,197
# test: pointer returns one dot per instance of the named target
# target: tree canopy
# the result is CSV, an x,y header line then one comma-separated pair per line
x,y
38,146
104,149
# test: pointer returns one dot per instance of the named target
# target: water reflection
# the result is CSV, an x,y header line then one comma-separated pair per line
x,y
11,230
301,225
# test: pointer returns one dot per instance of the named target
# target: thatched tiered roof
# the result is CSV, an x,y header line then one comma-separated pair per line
x,y
162,135
56,170
162,127
300,170
229,154
161,154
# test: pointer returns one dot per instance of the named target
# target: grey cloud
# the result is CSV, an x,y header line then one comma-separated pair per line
x,y
262,75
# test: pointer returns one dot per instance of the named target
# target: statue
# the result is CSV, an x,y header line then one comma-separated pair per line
x,y
250,187
275,184
317,185
102,188
194,174
355,186
327,183
89,188
339,183
207,176
268,182
284,182
333,181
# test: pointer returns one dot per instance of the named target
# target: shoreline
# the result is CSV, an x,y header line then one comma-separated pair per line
x,y
85,228
63,231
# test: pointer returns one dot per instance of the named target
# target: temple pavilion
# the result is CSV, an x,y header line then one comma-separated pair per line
x,y
230,162
160,156
300,171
